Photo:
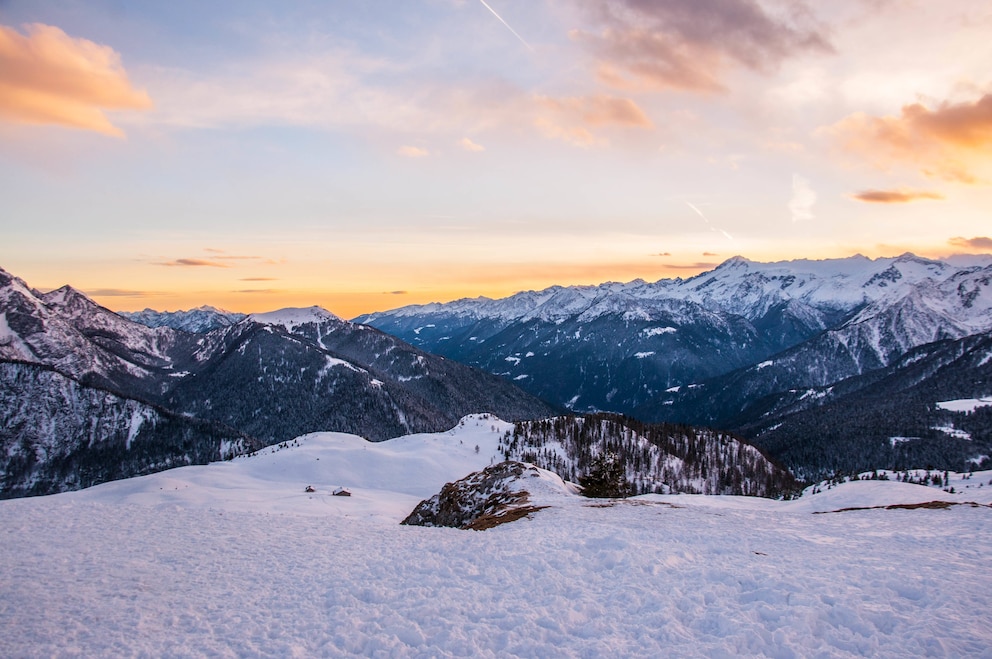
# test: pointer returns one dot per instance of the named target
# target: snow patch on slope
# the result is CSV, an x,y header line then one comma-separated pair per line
x,y
964,404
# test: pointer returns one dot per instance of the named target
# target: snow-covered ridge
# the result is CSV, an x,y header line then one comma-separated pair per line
x,y
292,317
742,287
199,320
385,478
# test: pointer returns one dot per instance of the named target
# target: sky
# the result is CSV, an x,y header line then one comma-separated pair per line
x,y
364,155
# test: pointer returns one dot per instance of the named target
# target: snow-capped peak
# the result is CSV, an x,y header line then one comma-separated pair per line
x,y
292,317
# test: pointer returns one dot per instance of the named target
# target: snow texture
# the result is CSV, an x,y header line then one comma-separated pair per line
x,y
236,559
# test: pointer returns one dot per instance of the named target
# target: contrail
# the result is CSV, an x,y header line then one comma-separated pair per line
x,y
706,220
699,212
486,5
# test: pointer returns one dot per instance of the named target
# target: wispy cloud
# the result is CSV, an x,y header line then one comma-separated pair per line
x,y
469,145
119,292
803,199
978,242
688,46
194,263
950,142
894,196
573,118
394,292
48,77
691,266
258,279
412,152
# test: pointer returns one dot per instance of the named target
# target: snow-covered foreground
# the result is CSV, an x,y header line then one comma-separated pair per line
x,y
235,559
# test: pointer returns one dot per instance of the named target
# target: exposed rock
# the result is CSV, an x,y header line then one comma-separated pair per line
x,y
484,499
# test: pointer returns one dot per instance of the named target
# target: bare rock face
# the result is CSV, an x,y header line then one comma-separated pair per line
x,y
481,500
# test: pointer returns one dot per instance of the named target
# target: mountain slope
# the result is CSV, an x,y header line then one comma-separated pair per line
x,y
316,372
897,417
57,434
659,458
68,331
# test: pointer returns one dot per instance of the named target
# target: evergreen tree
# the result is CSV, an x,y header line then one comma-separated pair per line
x,y
607,478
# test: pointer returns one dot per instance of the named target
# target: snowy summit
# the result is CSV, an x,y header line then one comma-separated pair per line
x,y
292,317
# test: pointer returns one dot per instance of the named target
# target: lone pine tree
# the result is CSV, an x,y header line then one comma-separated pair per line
x,y
607,478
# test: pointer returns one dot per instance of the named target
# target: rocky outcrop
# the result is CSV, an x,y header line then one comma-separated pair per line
x,y
484,499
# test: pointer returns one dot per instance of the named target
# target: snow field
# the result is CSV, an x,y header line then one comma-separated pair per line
x,y
234,559
630,580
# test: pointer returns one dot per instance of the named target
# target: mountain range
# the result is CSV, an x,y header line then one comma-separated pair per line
x,y
829,366
76,372
198,320
721,348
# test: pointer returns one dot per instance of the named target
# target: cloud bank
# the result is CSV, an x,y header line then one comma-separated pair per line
x,y
950,142
978,242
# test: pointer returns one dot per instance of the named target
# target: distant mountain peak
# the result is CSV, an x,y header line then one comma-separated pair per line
x,y
737,260
65,296
291,317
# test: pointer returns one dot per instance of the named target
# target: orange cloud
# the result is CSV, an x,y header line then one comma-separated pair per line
x,y
48,77
412,152
193,263
978,242
571,118
700,266
469,145
687,46
951,142
119,292
894,196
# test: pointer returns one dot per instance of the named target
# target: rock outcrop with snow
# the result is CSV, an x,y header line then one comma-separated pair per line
x,y
501,493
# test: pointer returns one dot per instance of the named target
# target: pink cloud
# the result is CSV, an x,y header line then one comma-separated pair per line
x,y
894,196
573,118
689,45
412,152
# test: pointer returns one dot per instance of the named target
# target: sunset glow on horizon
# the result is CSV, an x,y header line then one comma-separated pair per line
x,y
366,156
